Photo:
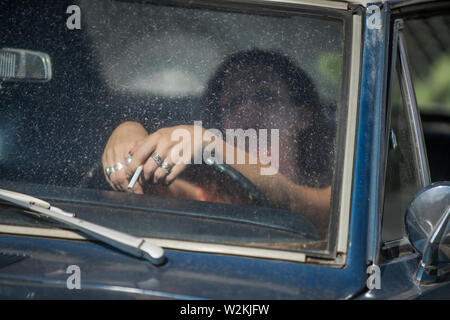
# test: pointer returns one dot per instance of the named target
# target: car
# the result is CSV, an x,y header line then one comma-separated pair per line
x,y
365,217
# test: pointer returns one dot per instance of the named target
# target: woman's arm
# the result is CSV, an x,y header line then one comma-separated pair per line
x,y
129,138
313,203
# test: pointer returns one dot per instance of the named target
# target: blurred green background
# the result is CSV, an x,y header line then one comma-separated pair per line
x,y
428,46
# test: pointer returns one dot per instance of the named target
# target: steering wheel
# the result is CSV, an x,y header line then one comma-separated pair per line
x,y
95,179
252,192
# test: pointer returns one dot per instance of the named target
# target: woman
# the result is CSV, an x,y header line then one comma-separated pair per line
x,y
256,90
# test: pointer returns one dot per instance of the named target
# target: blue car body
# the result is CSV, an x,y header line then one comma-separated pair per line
x,y
35,267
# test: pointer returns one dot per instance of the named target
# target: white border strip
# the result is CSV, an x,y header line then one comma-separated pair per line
x,y
165,243
347,176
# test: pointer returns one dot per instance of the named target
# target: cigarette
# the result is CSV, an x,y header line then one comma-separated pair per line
x,y
135,177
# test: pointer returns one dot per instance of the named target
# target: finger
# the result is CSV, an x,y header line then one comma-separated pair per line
x,y
162,150
121,175
115,182
151,165
108,179
141,152
124,176
159,175
138,189
121,179
174,173
165,168
110,163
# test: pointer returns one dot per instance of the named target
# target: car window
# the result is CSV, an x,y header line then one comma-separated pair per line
x,y
403,173
428,41
267,82
402,181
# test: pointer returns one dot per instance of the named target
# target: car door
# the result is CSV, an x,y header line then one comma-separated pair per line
x,y
407,165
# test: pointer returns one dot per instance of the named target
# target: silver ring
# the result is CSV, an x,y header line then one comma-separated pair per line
x,y
109,170
128,160
118,166
167,166
157,159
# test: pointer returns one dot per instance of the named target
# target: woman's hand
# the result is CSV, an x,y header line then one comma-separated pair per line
x,y
167,145
120,143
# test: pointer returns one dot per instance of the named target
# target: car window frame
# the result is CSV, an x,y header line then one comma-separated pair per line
x,y
346,136
399,71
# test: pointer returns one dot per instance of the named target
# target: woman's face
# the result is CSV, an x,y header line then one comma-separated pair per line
x,y
255,97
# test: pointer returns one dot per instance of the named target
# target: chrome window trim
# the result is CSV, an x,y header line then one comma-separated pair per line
x,y
392,73
374,93
165,243
416,124
350,139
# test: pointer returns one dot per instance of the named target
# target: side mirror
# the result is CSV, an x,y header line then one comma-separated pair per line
x,y
427,221
24,65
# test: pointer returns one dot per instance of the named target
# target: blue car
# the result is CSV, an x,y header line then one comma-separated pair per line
x,y
224,149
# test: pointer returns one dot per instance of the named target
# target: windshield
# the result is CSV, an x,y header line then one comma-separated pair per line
x,y
226,116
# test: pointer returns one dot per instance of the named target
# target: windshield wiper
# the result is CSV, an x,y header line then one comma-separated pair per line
x,y
137,247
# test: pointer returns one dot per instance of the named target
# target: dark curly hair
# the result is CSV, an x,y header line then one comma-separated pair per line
x,y
315,143
301,88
